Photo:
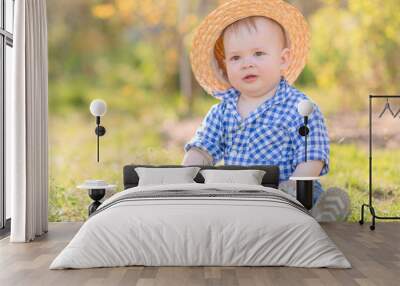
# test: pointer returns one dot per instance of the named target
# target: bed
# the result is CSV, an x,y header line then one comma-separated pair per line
x,y
201,224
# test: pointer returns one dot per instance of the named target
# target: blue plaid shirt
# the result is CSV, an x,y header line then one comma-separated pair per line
x,y
267,136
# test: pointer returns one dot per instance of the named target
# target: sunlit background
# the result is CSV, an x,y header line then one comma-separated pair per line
x,y
134,55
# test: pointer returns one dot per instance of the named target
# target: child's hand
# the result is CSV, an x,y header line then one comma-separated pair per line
x,y
196,156
308,169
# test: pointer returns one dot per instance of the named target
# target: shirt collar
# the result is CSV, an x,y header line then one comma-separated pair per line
x,y
229,94
232,94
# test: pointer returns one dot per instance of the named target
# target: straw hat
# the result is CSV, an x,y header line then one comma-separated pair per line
x,y
207,52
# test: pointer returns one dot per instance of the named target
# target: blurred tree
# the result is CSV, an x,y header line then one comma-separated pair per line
x,y
184,63
126,46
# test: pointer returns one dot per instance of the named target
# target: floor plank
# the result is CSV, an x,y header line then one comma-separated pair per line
x,y
374,255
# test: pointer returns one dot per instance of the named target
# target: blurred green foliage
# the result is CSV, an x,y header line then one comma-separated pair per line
x,y
128,51
354,49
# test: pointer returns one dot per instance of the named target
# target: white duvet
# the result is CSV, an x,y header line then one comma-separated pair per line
x,y
183,231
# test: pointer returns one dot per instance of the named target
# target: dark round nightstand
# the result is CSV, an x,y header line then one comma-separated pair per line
x,y
304,190
96,193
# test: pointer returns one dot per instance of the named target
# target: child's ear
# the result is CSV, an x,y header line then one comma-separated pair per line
x,y
285,58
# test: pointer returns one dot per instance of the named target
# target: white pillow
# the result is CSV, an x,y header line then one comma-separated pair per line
x,y
162,176
250,177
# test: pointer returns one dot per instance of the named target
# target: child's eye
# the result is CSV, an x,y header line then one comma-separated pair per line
x,y
259,54
235,58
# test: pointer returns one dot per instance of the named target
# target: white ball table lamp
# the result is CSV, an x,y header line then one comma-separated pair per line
x,y
98,108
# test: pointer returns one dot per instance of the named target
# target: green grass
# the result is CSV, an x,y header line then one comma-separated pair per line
x,y
73,156
349,171
139,140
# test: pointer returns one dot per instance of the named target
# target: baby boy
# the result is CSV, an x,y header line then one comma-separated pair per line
x,y
257,122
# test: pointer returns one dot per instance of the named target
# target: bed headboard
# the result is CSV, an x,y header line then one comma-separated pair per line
x,y
270,179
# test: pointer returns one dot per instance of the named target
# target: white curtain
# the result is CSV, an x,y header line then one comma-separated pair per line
x,y
26,123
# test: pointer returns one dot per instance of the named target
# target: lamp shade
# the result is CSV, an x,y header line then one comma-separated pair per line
x,y
98,107
305,107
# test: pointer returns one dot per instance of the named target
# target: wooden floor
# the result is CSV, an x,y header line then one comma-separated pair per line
x,y
374,255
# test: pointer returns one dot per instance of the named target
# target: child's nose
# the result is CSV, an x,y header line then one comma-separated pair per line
x,y
247,62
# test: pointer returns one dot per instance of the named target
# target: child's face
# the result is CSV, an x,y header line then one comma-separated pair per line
x,y
260,53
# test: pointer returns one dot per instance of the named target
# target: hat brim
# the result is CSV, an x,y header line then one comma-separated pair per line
x,y
205,66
